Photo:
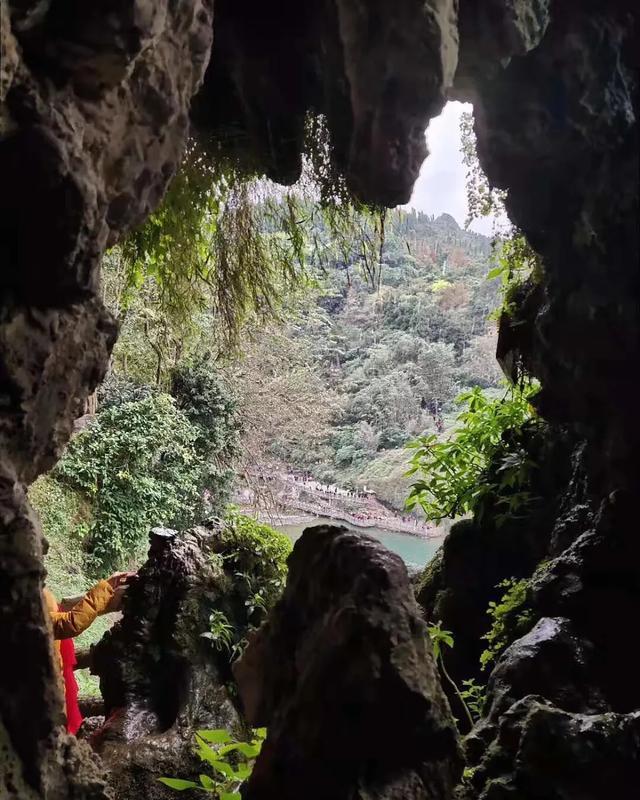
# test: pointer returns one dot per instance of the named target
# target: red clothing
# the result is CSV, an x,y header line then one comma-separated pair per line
x,y
68,656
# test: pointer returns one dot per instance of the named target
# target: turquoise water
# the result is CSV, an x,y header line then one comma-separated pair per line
x,y
416,552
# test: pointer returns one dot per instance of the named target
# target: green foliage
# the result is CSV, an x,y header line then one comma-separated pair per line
x,y
454,473
212,411
138,465
65,516
474,697
250,559
441,639
222,241
510,619
257,554
516,262
230,761
482,199
220,631
116,390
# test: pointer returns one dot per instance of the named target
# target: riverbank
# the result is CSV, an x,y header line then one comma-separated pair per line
x,y
293,499
283,518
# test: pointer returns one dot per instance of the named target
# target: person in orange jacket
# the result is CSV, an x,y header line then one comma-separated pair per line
x,y
102,598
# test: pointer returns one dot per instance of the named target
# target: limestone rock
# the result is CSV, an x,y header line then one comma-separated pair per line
x,y
542,751
93,121
160,679
493,31
376,76
551,661
343,676
477,555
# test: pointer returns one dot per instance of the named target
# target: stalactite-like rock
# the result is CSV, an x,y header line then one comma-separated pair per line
x,y
376,75
344,677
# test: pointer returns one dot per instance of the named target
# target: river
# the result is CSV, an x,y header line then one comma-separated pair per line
x,y
415,551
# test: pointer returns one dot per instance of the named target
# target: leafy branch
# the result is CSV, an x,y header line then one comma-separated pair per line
x,y
231,762
453,473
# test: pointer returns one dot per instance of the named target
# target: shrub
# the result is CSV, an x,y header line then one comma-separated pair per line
x,y
251,560
138,465
208,405
65,517
257,554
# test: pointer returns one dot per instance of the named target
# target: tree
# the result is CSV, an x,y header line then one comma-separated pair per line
x,y
139,464
206,401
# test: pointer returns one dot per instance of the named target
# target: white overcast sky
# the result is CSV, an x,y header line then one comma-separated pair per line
x,y
441,185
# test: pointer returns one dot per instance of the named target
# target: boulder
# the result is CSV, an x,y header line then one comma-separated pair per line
x,y
161,680
343,676
544,752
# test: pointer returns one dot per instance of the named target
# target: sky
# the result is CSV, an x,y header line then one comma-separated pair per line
x,y
441,185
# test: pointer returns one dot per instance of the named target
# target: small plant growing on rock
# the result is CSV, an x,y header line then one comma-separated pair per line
x,y
453,474
220,631
230,760
510,619
441,639
474,696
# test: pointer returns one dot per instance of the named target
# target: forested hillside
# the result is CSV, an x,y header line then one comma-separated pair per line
x,y
355,338
387,352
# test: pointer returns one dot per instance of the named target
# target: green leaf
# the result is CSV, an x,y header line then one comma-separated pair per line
x,y
178,784
223,768
208,782
215,736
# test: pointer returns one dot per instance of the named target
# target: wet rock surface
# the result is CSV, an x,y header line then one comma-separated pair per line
x,y
159,677
343,676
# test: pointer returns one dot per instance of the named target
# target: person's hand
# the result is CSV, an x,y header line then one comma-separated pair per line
x,y
119,579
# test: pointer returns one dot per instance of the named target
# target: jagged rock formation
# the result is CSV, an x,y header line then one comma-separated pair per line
x,y
377,76
477,556
93,117
557,127
161,680
344,677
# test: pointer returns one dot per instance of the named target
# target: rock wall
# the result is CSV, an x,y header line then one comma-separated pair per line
x,y
556,125
343,676
161,680
94,105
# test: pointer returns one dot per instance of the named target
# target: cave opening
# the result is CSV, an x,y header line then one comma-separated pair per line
x,y
93,124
